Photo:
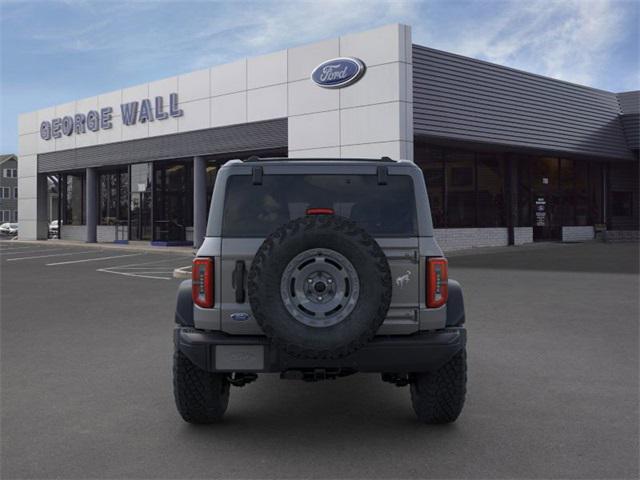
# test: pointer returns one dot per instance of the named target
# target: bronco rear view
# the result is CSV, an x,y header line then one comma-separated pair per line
x,y
316,269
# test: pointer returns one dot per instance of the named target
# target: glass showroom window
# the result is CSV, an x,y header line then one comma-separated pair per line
x,y
596,192
567,191
460,177
466,189
581,171
623,196
523,165
491,200
430,160
73,199
113,198
173,201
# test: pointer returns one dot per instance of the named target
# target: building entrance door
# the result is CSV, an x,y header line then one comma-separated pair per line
x,y
546,201
140,219
173,201
546,226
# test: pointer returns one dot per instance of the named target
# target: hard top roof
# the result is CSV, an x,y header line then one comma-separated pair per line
x,y
255,159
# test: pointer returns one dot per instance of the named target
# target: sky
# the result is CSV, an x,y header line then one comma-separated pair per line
x,y
55,51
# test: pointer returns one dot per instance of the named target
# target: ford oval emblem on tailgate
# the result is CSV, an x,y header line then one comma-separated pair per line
x,y
338,73
240,316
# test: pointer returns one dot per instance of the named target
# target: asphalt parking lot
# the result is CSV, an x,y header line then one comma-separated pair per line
x,y
553,378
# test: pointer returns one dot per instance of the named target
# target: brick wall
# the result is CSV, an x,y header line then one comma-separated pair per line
x,y
107,233
577,234
74,232
522,235
461,238
614,236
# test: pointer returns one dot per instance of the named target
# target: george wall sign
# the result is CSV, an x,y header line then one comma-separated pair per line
x,y
338,72
94,120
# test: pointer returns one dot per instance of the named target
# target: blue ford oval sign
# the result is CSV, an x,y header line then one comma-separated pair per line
x,y
338,72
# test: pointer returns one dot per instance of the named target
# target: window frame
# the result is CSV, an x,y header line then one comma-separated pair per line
x,y
241,176
119,193
615,205
64,198
443,155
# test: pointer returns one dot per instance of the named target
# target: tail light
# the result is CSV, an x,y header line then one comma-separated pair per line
x,y
320,211
437,278
202,282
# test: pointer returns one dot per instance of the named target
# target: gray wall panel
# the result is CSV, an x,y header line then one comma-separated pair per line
x,y
630,107
631,127
461,98
237,138
629,101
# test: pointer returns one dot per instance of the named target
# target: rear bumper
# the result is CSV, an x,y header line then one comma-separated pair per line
x,y
219,352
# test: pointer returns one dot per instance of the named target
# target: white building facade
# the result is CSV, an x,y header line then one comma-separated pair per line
x,y
139,163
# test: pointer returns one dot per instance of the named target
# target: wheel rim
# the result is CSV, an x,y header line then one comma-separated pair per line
x,y
320,287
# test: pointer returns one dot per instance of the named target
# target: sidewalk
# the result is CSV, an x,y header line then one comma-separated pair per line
x,y
142,246
131,246
510,248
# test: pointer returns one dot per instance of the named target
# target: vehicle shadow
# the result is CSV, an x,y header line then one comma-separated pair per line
x,y
585,257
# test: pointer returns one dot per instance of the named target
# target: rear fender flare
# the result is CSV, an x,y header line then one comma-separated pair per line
x,y
184,305
455,305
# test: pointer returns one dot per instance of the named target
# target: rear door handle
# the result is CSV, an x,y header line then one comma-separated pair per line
x,y
237,281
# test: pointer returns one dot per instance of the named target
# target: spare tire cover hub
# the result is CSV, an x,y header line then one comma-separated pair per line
x,y
320,287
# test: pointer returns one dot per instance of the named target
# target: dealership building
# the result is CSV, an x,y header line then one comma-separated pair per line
x,y
509,157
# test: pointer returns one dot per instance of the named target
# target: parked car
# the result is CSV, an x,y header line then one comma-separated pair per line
x,y
9,229
54,229
318,269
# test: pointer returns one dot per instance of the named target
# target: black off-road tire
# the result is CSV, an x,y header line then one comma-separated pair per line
x,y
306,233
438,397
201,397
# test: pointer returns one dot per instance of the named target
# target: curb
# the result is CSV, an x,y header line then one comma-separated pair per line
x,y
182,272
110,246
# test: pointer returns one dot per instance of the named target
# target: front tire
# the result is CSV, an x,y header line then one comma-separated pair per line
x,y
201,397
438,397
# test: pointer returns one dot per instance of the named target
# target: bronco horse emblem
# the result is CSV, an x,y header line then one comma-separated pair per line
x,y
402,280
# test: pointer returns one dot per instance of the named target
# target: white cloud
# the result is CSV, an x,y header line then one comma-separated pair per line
x,y
569,40
270,26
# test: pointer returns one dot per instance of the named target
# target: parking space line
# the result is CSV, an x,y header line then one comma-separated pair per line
x,y
164,260
51,255
144,270
138,275
18,249
92,259
40,250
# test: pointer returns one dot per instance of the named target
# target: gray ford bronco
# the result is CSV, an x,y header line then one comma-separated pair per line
x,y
317,269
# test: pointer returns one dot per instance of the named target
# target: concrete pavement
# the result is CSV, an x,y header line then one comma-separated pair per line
x,y
553,381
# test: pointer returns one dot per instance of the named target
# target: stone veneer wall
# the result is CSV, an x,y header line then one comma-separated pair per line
x,y
577,234
615,236
522,235
73,232
461,238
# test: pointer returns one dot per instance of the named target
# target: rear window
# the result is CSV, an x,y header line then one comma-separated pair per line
x,y
257,210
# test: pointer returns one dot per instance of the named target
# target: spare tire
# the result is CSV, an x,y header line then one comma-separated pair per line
x,y
320,286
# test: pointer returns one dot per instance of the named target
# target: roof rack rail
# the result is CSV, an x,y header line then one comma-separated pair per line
x,y
254,158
